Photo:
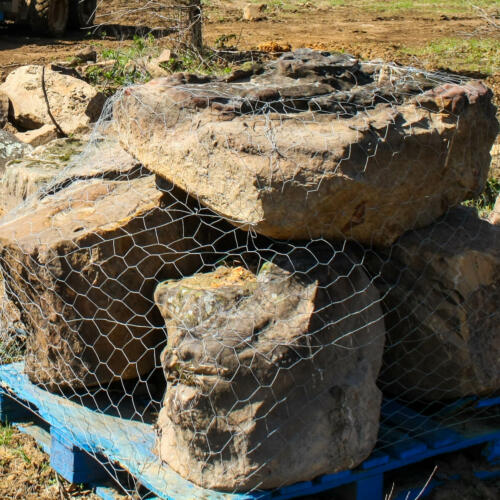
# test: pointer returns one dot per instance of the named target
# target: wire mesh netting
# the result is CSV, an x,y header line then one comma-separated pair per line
x,y
250,262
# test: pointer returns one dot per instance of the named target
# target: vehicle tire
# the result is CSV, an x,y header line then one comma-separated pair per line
x,y
81,13
49,17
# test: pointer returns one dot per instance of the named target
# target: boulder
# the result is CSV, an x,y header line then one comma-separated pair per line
x,y
51,167
73,103
441,291
252,12
83,264
38,136
13,333
271,375
4,109
10,148
314,146
495,213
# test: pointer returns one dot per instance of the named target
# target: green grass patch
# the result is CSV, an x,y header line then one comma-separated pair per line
x,y
485,202
426,6
6,434
389,6
470,55
129,65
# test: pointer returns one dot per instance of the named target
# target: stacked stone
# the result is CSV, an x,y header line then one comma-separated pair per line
x,y
272,357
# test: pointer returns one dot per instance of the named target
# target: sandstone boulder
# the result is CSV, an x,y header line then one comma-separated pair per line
x,y
441,291
252,12
51,167
13,333
315,146
39,136
4,109
83,264
10,148
73,103
271,376
495,213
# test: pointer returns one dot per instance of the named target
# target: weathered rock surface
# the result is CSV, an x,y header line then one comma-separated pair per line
x,y
4,109
13,333
38,136
10,148
252,12
74,103
441,291
495,214
315,145
271,377
83,263
51,167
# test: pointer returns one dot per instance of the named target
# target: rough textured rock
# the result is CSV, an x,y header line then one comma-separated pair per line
x,y
4,109
315,145
495,213
51,167
10,148
441,291
38,136
252,12
83,263
73,103
13,332
271,377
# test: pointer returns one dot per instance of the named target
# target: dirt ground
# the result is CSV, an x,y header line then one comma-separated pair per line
x,y
366,32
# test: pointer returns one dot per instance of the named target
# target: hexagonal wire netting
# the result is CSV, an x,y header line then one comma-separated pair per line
x,y
248,262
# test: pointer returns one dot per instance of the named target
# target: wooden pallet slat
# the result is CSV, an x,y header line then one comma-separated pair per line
x,y
72,430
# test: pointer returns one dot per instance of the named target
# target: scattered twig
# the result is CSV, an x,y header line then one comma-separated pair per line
x,y
489,18
63,494
44,89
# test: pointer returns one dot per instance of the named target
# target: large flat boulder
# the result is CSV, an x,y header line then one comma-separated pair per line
x,y
73,103
315,144
271,375
441,293
83,264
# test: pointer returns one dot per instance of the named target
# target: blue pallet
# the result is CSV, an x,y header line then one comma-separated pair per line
x,y
74,434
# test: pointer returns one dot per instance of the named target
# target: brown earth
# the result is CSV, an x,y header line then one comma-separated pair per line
x,y
369,33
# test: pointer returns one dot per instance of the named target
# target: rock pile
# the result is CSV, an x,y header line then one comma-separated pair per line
x,y
177,234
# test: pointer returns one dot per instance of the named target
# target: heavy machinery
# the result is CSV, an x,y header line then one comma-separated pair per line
x,y
49,17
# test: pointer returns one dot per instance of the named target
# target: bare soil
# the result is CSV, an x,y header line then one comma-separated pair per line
x,y
365,32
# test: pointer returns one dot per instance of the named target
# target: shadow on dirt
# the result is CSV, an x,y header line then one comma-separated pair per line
x,y
13,36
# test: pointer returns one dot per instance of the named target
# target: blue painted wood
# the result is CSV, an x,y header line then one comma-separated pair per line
x,y
418,425
403,446
127,442
10,409
376,458
492,451
39,434
71,462
370,488
486,403
130,444
107,493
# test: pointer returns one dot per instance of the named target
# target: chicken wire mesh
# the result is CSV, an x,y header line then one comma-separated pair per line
x,y
249,262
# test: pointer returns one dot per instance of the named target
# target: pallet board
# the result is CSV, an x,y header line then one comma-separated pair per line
x,y
72,430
